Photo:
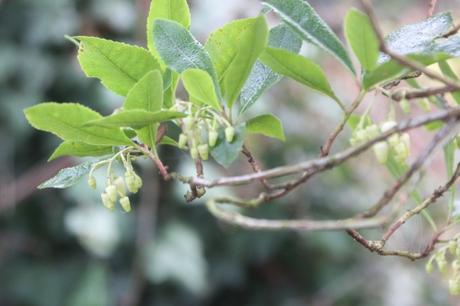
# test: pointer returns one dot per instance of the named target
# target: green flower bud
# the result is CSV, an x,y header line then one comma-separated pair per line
x,y
120,185
457,251
381,150
405,138
229,133
212,138
441,261
188,123
111,191
131,182
354,141
203,151
106,201
194,153
182,141
424,104
401,151
429,266
125,204
456,265
454,286
92,182
388,125
372,131
405,106
137,181
394,140
361,135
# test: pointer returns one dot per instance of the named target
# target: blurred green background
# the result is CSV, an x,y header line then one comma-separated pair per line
x,y
62,248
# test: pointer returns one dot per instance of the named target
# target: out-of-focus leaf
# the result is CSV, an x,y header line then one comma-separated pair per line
x,y
302,17
92,289
135,118
224,152
362,38
298,68
80,149
67,177
67,121
234,49
392,69
267,125
263,77
447,71
147,95
200,87
119,66
418,37
165,140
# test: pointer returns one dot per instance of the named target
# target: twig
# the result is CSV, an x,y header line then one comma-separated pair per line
x,y
255,167
409,95
432,7
322,164
439,192
298,225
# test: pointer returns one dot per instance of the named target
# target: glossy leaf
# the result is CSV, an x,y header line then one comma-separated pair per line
x,y
362,38
179,49
234,49
119,66
224,152
67,177
298,68
391,69
200,87
267,125
302,18
147,95
418,37
165,140
80,149
67,120
135,118
263,77
175,10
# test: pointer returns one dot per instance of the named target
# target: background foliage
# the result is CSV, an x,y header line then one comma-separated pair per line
x,y
63,248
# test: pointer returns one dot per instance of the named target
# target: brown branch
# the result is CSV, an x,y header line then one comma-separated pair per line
x,y
390,193
325,163
432,7
255,167
439,192
409,95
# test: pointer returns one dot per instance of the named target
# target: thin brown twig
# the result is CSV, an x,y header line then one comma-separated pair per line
x,y
255,166
439,192
409,95
432,7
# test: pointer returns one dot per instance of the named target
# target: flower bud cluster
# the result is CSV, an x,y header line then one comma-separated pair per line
x,y
398,144
440,259
200,135
117,187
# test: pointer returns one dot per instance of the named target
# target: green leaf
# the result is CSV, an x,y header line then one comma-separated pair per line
x,y
119,66
267,125
447,71
362,38
298,68
147,95
200,87
449,160
302,18
224,152
165,140
175,10
418,37
67,120
80,149
234,49
263,77
170,92
392,69
67,177
135,118
179,49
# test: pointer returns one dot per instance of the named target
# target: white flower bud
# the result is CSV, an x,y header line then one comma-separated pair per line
x,y
429,266
188,123
402,151
212,138
92,182
194,153
111,191
229,134
203,151
125,204
394,140
120,185
372,131
388,125
106,201
454,286
453,246
360,135
131,182
405,106
381,150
